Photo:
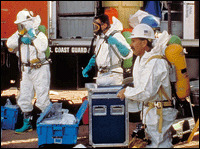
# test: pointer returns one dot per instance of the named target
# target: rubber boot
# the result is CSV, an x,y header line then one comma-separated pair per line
x,y
27,124
36,114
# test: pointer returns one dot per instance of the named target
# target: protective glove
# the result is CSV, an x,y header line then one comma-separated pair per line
x,y
88,67
26,40
32,34
122,48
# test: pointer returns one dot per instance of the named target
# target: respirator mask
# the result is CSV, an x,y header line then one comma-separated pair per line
x,y
21,29
97,28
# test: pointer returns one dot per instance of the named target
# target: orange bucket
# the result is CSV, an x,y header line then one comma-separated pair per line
x,y
111,12
127,30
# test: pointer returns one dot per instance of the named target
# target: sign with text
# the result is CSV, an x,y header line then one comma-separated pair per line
x,y
70,49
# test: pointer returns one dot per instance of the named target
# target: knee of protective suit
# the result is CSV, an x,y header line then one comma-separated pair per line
x,y
27,115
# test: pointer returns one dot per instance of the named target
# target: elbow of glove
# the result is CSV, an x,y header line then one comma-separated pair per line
x,y
124,51
92,62
88,68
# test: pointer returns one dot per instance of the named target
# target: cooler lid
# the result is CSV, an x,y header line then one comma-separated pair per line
x,y
44,113
51,110
81,111
48,111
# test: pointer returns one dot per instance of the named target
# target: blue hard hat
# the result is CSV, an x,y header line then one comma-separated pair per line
x,y
151,21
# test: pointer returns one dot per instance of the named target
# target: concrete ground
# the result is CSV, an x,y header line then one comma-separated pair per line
x,y
30,139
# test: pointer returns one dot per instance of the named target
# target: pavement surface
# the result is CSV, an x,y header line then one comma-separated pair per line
x,y
74,99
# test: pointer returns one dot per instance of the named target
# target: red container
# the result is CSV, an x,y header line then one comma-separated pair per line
x,y
127,30
111,12
85,118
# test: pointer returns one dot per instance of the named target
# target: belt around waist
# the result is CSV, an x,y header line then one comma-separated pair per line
x,y
164,103
35,65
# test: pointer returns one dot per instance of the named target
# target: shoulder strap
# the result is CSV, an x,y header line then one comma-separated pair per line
x,y
161,89
158,56
161,92
37,31
155,56
115,31
115,52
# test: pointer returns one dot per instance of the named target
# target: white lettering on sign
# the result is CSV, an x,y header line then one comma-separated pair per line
x,y
61,49
70,50
79,50
50,50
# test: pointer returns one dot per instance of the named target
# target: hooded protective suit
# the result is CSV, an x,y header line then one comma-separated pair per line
x,y
105,57
33,79
148,78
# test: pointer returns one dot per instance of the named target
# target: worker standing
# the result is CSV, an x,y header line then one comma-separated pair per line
x,y
30,45
111,48
150,77
135,107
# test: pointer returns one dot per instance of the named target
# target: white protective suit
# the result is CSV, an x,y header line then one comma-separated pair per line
x,y
105,56
33,80
147,80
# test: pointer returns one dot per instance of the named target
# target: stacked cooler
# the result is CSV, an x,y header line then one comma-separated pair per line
x,y
11,116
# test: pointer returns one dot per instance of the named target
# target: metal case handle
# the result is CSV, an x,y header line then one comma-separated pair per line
x,y
99,110
117,110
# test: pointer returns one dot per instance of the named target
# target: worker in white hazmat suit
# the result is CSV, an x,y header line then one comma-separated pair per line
x,y
34,65
150,76
135,107
111,48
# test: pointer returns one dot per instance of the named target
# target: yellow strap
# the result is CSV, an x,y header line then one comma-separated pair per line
x,y
158,56
164,93
151,105
159,112
34,61
167,104
155,56
161,92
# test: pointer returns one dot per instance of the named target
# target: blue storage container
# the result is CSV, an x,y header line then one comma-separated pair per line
x,y
59,133
11,115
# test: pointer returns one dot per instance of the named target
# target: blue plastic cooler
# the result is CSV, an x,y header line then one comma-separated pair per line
x,y
11,116
59,133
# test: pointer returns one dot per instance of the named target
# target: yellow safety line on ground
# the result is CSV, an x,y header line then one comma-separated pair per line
x,y
19,141
29,140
